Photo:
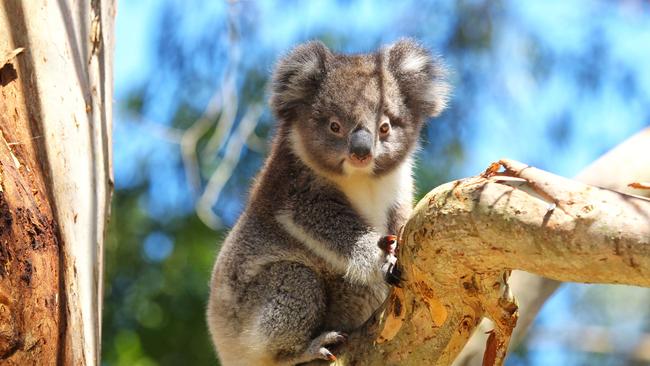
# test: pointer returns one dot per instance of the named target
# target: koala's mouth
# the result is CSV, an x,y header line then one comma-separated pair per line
x,y
359,162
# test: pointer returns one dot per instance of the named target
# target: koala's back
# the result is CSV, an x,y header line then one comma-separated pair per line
x,y
240,283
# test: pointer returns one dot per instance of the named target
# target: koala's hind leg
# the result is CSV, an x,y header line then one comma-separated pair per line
x,y
292,309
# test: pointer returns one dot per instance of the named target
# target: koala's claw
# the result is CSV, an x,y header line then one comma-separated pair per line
x,y
326,354
334,338
392,273
322,344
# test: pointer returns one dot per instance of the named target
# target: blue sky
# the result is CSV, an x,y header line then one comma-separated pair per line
x,y
516,130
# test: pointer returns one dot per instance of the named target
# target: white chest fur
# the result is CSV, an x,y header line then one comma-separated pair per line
x,y
373,197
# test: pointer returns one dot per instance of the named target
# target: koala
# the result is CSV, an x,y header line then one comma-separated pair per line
x,y
302,266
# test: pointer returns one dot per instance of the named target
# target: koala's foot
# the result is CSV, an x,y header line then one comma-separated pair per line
x,y
323,345
392,272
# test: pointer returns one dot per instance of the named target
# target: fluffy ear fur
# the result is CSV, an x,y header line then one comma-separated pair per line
x,y
421,78
297,77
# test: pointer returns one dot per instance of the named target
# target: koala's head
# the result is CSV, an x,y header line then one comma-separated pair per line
x,y
347,114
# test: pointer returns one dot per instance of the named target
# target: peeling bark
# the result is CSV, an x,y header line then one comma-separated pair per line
x,y
55,178
464,238
29,247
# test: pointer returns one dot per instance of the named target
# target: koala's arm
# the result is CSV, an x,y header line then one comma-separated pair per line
x,y
327,224
398,216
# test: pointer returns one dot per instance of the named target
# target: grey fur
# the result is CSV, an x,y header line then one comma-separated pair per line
x,y
302,266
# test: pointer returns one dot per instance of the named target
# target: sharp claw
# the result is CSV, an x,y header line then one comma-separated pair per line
x,y
340,339
394,276
393,280
336,339
327,354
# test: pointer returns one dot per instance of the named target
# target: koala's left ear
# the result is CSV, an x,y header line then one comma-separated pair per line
x,y
421,78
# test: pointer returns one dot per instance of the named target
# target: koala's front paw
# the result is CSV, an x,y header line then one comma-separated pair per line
x,y
392,273
323,345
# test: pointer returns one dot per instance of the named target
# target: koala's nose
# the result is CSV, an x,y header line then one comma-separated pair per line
x,y
361,143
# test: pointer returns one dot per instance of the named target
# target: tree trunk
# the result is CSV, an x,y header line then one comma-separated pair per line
x,y
55,177
464,238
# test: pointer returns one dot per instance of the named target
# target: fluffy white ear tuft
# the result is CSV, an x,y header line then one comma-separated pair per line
x,y
297,77
420,75
413,62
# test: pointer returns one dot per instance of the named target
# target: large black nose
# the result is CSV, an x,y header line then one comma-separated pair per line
x,y
361,143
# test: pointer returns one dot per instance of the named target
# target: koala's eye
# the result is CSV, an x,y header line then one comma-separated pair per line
x,y
335,127
384,129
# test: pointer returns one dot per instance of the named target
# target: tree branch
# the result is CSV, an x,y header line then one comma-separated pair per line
x,y
627,163
463,239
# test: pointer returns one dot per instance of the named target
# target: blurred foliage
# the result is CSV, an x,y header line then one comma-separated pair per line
x,y
542,83
156,292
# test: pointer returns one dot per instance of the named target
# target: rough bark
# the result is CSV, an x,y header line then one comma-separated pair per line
x,y
627,163
465,237
55,177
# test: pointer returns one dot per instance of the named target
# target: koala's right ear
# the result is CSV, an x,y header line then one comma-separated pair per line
x,y
297,78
